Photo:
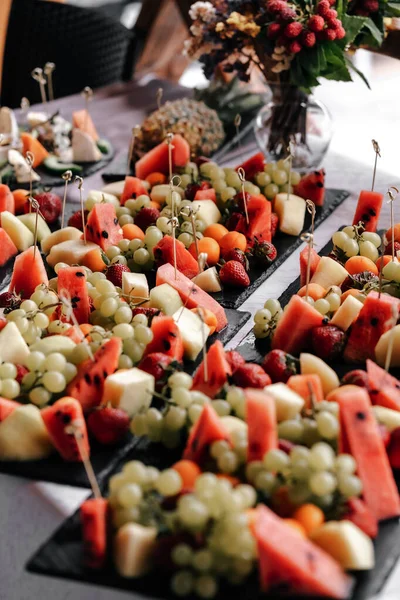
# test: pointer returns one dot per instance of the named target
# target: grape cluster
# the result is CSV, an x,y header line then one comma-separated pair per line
x,y
226,181
329,303
320,423
313,474
32,316
266,319
275,179
47,375
352,241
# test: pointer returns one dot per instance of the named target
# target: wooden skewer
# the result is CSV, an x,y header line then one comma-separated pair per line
x,y
203,333
135,133
311,209
382,254
48,70
242,177
377,151
392,198
67,176
202,258
395,316
25,104
87,94
79,182
30,159
37,75
168,140
35,204
237,122
174,219
309,239
159,96
70,315
289,158
73,429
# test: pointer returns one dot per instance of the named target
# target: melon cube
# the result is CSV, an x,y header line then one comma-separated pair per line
x,y
329,272
54,343
382,346
43,230
116,188
18,232
71,252
23,435
166,298
97,196
206,211
193,331
134,547
60,235
233,425
160,192
347,544
347,313
387,416
131,390
288,403
13,347
291,210
208,280
311,364
135,284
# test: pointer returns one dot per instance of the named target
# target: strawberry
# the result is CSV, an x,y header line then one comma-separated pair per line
x,y
158,365
50,205
279,365
114,273
146,217
356,377
393,449
21,371
388,248
274,224
192,189
233,221
238,255
234,359
251,375
108,425
233,273
264,253
328,342
149,312
10,301
75,219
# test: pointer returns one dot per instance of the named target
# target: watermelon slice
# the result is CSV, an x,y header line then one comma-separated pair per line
x,y
185,262
72,284
360,434
94,513
208,194
166,338
7,407
312,187
218,371
293,331
133,188
315,258
102,226
301,384
82,120
253,165
58,419
373,320
368,209
261,423
291,559
259,227
207,429
7,201
7,247
88,384
384,389
359,514
192,296
28,272
156,160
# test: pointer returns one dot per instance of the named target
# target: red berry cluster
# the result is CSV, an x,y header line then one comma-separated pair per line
x,y
364,8
290,32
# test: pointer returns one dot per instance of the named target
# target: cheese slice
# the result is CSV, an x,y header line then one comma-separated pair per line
x,y
71,252
288,403
135,285
23,172
133,549
23,435
165,298
193,331
84,149
13,347
129,389
60,235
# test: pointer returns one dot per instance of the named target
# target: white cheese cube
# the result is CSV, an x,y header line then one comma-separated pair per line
x,y
133,549
115,188
97,196
206,211
165,298
60,235
347,313
288,403
291,210
130,390
71,252
135,285
193,331
13,347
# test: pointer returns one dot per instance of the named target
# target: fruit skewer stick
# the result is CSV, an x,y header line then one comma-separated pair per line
x,y
392,198
87,94
242,177
48,70
135,133
289,158
30,159
203,333
70,315
311,209
377,151
159,96
35,204
168,140
395,316
73,429
79,182
309,239
174,219
37,75
67,176
237,122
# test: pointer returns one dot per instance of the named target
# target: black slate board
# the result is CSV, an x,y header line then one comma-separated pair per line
x,y
61,556
50,180
104,459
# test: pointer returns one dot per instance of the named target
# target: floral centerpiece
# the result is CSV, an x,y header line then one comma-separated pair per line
x,y
294,44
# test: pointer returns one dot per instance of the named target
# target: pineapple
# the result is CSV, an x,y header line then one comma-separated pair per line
x,y
198,124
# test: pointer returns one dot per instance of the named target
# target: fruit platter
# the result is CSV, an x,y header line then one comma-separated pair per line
x,y
39,150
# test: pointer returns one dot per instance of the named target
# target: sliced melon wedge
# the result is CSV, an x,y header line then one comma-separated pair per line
x,y
309,364
23,435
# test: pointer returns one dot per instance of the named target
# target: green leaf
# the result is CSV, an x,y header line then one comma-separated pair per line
x,y
352,67
392,9
334,55
375,32
353,25
339,74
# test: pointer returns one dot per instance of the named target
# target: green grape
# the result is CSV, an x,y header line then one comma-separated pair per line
x,y
28,380
374,238
103,286
140,319
391,271
124,331
130,495
322,457
200,225
10,388
349,231
123,245
262,316
345,464
263,179
271,190
291,430
299,453
180,380
334,302
70,371
301,470
233,180
339,239
182,555
228,462
285,188
181,396
135,471
186,239
322,306
219,185
202,560
276,460
273,306
111,252
133,349
369,250
310,435
250,188
123,314
191,512
135,244
279,177
270,168
182,582
350,248
265,481
141,256
119,260
54,382
38,296
175,418
261,331
125,362
322,483
141,202
109,307
16,314
295,177
169,483
221,407
55,362
143,334
125,220
39,396
328,425
41,320
199,398
29,305
219,448
350,485
139,425
125,515
8,371
96,276
235,396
